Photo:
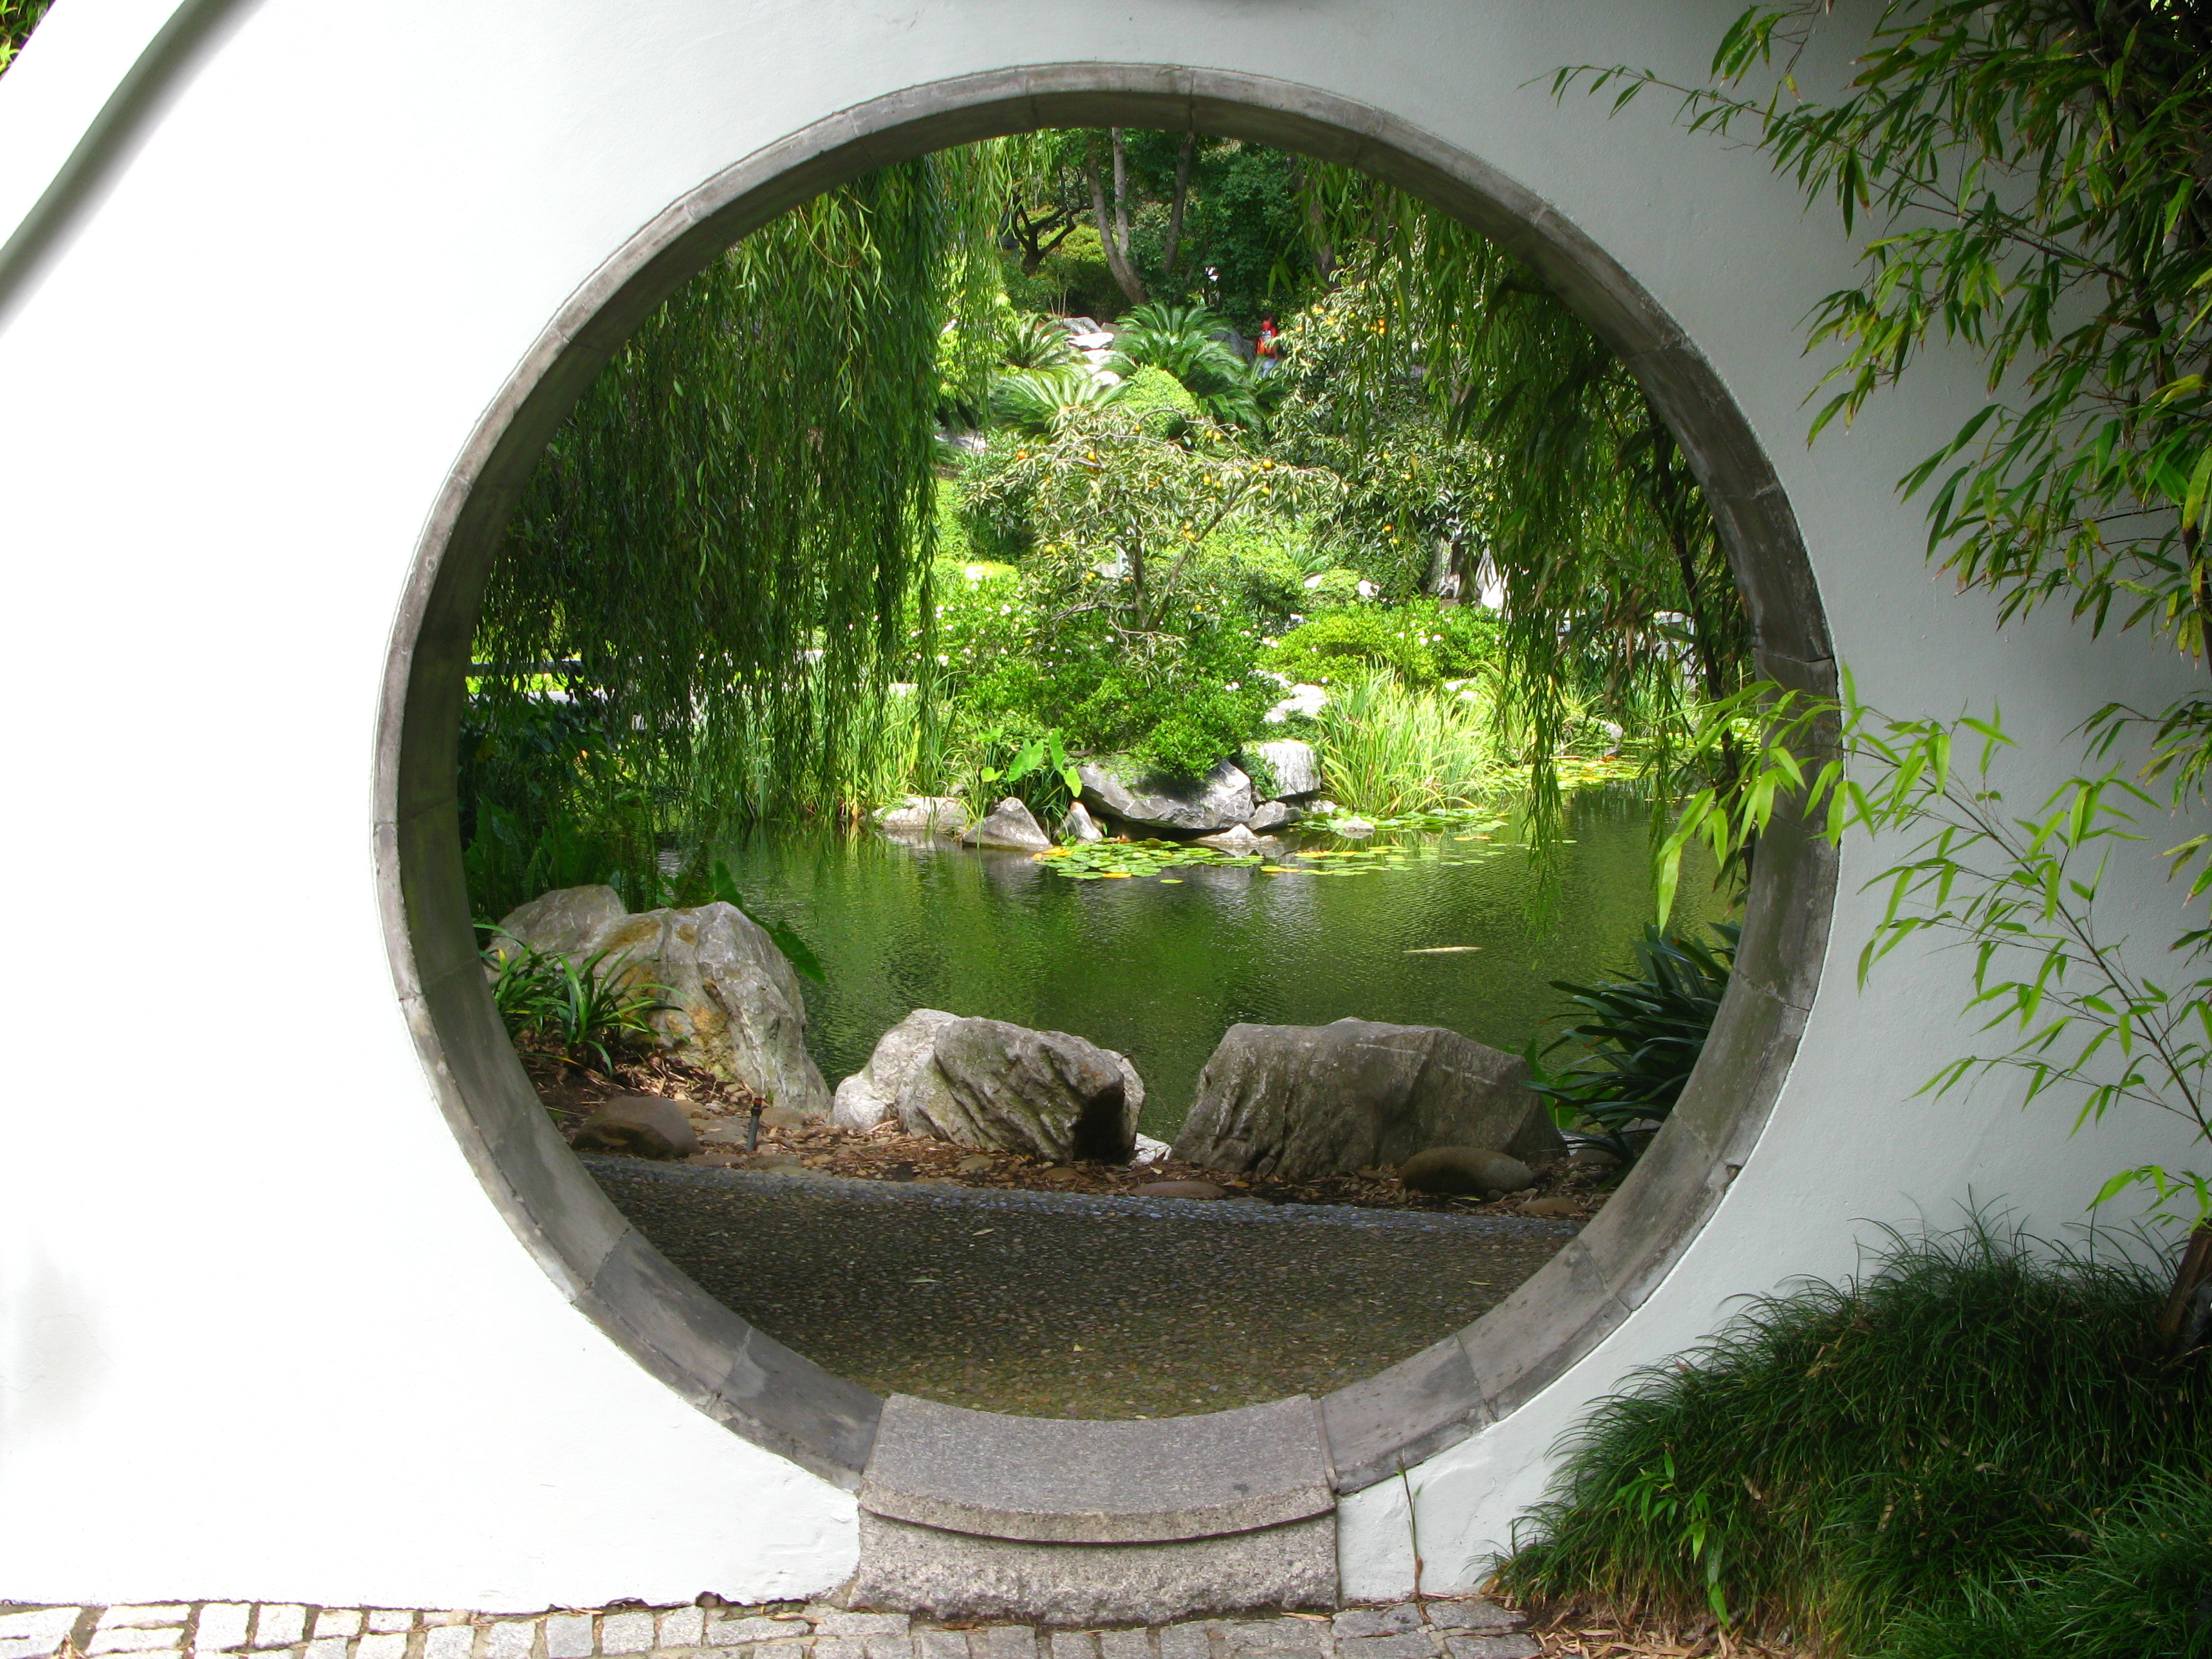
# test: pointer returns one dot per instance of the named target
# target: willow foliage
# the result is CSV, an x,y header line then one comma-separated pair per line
x,y
1565,479
727,546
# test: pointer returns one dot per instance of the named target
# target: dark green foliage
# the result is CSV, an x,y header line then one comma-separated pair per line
x,y
1247,225
2141,1589
537,773
1977,1411
1641,1038
585,1009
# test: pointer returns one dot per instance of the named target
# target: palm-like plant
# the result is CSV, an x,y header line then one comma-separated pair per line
x,y
1033,342
1182,340
587,1008
1641,1041
1043,401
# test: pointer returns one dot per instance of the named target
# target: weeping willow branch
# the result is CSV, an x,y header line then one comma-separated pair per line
x,y
1615,581
731,536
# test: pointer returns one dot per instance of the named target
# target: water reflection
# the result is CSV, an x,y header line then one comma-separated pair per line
x,y
1158,970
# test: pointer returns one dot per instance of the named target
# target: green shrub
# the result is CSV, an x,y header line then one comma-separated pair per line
x,y
1422,643
1971,1416
1157,402
1337,585
1644,1035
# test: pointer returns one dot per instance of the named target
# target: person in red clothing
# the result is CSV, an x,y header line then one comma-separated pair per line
x,y
1267,348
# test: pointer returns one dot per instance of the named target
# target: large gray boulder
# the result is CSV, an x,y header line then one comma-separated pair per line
x,y
1010,827
918,816
1295,767
563,922
1223,798
1047,1093
871,1094
1299,1102
735,1008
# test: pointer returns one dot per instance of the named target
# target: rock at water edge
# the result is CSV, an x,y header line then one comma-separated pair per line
x,y
1079,828
1300,1101
735,1007
1149,1150
924,816
1239,842
1223,798
647,1126
564,922
871,1094
1273,815
1010,828
1295,767
1047,1093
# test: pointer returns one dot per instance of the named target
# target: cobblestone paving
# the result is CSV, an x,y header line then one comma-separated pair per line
x,y
1433,1629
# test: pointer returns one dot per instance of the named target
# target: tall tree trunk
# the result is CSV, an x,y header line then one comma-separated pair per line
x,y
1182,195
1116,245
2182,1320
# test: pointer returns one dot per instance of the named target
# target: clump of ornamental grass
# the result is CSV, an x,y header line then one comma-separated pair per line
x,y
2141,1588
1388,749
1979,1411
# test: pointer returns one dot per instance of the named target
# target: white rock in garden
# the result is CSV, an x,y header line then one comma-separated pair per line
x,y
1223,798
564,921
1307,700
1079,827
735,1008
1299,1102
1351,824
1295,767
870,1096
1273,815
1150,1151
1009,828
1047,1093
924,815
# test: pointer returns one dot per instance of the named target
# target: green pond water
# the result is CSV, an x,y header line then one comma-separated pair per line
x,y
1158,970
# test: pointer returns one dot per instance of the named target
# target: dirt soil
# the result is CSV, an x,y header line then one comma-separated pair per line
x,y
721,1113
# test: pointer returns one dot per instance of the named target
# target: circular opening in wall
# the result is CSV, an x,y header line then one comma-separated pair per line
x,y
1028,969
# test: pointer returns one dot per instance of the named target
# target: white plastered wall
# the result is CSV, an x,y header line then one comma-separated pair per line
x,y
261,1332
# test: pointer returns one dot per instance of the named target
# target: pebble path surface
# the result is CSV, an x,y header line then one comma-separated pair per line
x,y
1433,1629
1049,1305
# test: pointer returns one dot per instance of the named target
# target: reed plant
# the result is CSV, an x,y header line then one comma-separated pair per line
x,y
1893,1456
1388,749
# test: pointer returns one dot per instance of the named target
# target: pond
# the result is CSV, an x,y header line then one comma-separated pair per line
x,y
1438,933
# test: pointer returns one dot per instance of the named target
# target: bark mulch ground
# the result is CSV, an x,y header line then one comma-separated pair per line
x,y
721,1113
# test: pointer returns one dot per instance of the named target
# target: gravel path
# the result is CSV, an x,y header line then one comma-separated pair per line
x,y
1066,1305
